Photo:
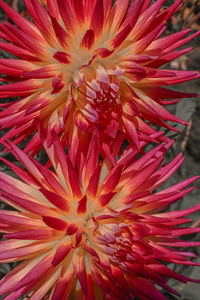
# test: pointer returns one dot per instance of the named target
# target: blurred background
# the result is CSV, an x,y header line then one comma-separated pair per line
x,y
187,142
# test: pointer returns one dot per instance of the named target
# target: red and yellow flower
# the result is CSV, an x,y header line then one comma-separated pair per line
x,y
90,64
97,232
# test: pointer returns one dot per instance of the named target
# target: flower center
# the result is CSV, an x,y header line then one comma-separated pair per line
x,y
98,102
104,104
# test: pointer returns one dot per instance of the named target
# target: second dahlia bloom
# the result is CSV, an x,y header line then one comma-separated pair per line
x,y
97,233
90,64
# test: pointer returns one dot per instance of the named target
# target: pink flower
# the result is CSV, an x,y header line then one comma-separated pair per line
x,y
90,64
94,230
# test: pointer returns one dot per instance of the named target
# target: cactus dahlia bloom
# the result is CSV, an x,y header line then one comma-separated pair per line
x,y
99,233
88,64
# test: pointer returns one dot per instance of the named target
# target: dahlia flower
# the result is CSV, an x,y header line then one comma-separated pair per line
x,y
90,64
94,233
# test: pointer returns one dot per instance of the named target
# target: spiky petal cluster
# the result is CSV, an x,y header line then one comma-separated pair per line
x,y
90,64
99,235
